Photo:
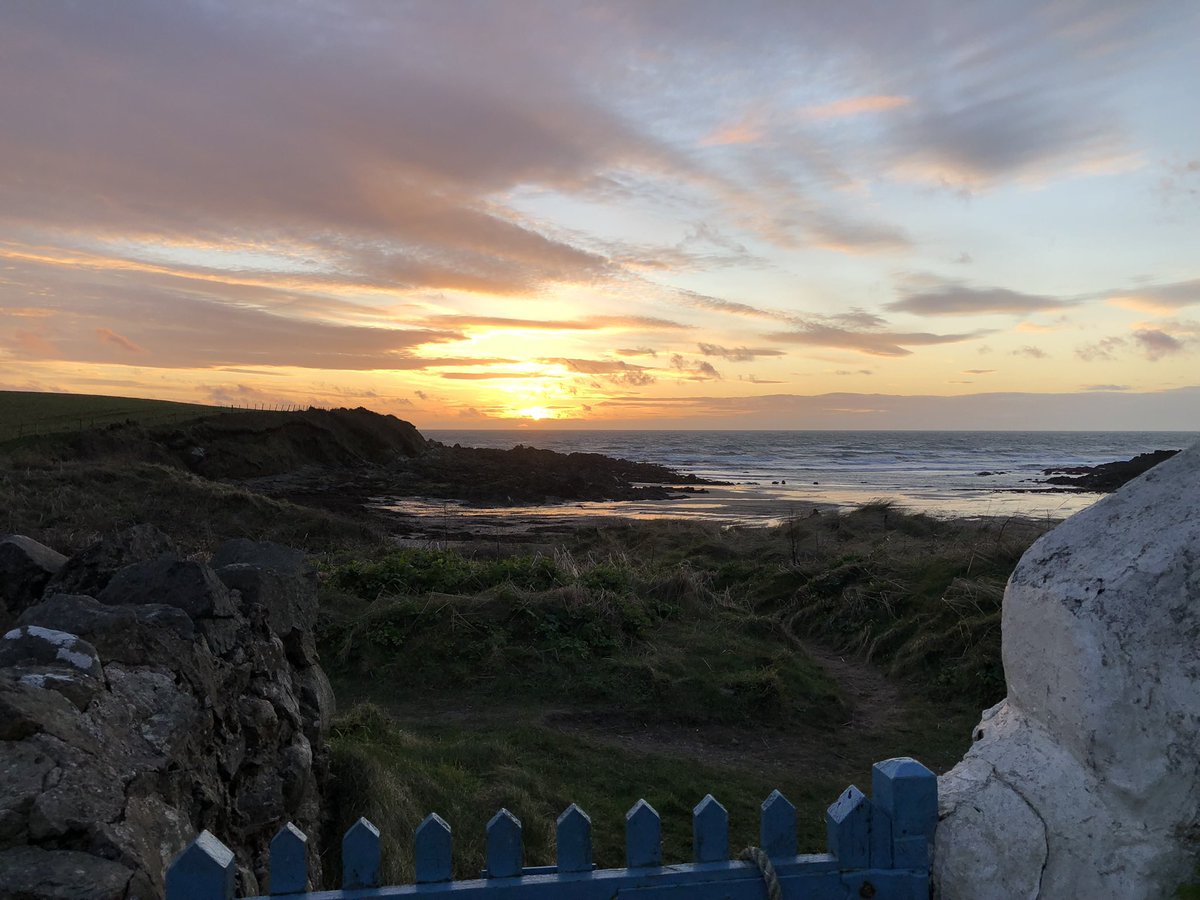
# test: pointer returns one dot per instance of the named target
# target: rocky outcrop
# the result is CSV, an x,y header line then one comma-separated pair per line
x,y
25,568
1085,780
168,703
1106,477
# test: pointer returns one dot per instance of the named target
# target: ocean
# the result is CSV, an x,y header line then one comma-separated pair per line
x,y
780,473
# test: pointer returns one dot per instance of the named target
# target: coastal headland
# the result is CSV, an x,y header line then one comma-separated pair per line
x,y
570,657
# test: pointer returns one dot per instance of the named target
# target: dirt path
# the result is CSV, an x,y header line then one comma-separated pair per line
x,y
877,707
876,702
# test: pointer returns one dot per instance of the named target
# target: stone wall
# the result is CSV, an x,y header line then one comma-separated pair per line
x,y
144,697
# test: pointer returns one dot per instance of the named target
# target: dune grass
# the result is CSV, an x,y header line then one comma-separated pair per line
x,y
68,505
459,672
583,632
395,776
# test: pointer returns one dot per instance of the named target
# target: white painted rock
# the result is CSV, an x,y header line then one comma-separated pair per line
x,y
1085,781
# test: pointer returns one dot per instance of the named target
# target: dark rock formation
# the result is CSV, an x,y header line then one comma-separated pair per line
x,y
169,704
528,475
25,568
90,572
1106,477
245,445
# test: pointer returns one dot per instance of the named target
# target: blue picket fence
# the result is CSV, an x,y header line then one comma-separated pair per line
x,y
878,847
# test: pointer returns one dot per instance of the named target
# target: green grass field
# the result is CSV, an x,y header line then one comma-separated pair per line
x,y
27,413
664,660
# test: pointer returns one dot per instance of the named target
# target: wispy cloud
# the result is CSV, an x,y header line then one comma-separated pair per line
x,y
694,370
737,354
872,343
854,106
1158,298
1104,349
953,298
1031,352
119,340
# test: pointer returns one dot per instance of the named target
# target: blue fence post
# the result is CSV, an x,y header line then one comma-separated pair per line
x,y
907,792
360,856
289,861
848,829
433,849
643,836
505,854
710,831
574,839
203,871
881,845
777,826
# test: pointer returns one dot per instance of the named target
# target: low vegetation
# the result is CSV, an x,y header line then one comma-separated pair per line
x,y
661,659
587,672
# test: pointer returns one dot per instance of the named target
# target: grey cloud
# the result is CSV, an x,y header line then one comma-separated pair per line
x,y
594,366
175,325
616,372
733,307
1173,295
872,343
754,379
632,378
290,134
856,318
1104,349
1031,352
855,236
699,370
737,354
954,299
1106,387
1156,344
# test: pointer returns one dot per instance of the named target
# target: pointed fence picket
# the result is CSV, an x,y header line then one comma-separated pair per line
x,y
877,847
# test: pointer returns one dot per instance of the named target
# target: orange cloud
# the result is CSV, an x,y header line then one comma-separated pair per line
x,y
31,343
735,133
853,106
109,336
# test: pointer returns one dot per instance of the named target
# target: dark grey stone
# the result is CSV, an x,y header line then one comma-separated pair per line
x,y
31,872
25,568
191,586
90,571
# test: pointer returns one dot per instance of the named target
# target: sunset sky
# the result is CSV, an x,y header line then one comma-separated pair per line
x,y
613,214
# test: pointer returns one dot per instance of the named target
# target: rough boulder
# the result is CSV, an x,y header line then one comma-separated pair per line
x,y
165,703
1085,780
